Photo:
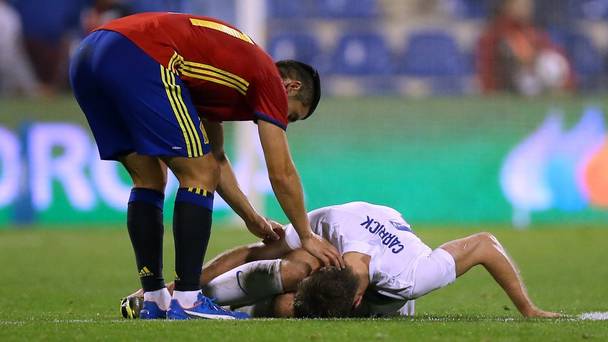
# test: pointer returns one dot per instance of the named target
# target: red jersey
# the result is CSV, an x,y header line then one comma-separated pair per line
x,y
229,77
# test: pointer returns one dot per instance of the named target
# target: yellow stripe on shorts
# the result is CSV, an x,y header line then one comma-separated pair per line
x,y
181,114
198,148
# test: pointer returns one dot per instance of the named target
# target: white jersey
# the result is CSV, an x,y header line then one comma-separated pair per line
x,y
378,231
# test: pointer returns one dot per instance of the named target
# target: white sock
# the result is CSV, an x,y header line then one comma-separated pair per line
x,y
246,284
409,309
161,297
186,298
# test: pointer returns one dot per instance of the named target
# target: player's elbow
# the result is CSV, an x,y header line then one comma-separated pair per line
x,y
292,273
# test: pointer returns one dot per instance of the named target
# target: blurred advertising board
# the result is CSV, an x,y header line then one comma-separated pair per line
x,y
439,161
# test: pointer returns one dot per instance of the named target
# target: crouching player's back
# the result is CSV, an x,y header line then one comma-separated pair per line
x,y
215,64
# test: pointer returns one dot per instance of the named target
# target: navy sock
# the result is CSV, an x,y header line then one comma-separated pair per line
x,y
145,225
191,231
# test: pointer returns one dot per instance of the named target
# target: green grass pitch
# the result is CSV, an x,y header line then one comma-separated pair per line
x,y
66,284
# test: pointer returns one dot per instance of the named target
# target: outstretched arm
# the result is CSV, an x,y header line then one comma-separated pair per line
x,y
287,187
241,255
229,189
484,249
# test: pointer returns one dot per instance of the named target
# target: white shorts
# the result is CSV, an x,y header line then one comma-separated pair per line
x,y
433,272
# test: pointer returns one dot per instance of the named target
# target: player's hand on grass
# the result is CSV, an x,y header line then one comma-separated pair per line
x,y
262,228
538,313
323,250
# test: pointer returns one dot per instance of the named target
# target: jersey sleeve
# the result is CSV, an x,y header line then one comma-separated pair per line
x,y
292,239
269,101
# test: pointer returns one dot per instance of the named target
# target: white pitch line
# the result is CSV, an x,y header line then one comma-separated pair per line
x,y
12,322
594,316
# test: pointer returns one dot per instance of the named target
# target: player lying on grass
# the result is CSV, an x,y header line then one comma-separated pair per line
x,y
388,265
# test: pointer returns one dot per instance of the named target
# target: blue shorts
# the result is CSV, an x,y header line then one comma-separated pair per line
x,y
132,103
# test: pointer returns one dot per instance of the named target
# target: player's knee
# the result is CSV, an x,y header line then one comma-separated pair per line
x,y
151,181
201,172
292,273
146,173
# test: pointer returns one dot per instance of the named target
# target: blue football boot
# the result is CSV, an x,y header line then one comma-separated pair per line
x,y
204,308
150,310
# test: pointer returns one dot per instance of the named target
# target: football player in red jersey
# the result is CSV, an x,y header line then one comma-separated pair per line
x,y
155,88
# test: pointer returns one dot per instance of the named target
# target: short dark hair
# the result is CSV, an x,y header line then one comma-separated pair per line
x,y
310,92
327,293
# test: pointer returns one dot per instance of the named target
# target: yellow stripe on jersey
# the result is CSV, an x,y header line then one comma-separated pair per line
x,y
236,78
222,28
211,79
214,75
173,61
193,144
208,73
204,131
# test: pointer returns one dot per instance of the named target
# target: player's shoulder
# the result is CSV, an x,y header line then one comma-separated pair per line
x,y
366,209
356,208
360,205
261,64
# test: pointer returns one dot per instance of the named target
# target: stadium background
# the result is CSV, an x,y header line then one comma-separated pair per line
x,y
403,121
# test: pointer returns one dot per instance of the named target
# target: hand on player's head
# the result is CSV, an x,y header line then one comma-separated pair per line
x,y
323,250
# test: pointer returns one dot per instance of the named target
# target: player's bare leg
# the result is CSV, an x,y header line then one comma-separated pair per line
x,y
146,171
188,171
484,249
